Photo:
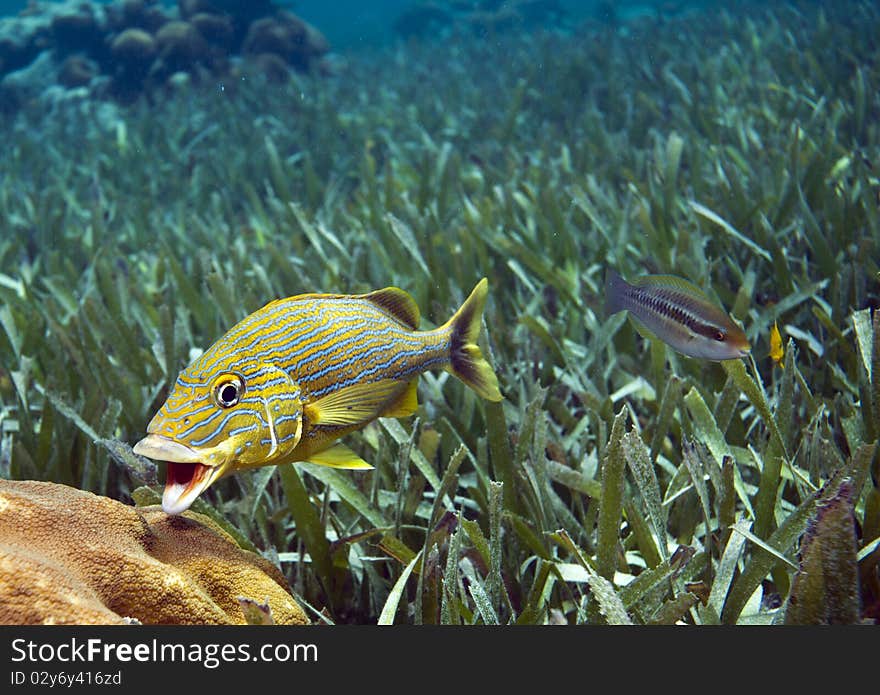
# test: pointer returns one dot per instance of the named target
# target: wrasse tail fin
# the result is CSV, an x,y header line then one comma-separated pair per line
x,y
614,288
466,360
339,456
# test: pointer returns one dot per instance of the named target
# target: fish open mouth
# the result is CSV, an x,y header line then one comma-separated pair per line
x,y
186,478
183,483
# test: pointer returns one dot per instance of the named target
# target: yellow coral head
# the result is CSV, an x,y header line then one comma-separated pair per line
x,y
220,418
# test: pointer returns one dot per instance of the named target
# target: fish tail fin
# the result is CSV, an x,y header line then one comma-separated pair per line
x,y
466,360
614,287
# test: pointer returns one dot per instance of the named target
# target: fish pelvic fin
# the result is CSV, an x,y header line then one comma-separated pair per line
x,y
339,456
466,360
614,289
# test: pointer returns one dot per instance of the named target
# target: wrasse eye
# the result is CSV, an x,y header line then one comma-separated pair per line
x,y
227,390
720,336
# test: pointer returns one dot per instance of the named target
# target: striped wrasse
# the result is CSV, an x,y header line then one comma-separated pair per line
x,y
679,313
289,380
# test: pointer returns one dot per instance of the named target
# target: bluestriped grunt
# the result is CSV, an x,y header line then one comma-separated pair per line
x,y
290,379
679,313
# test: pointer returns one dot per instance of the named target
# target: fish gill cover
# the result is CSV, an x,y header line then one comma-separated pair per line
x,y
146,207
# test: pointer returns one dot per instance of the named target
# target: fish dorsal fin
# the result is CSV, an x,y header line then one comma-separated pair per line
x,y
399,304
339,456
675,283
406,403
395,302
356,404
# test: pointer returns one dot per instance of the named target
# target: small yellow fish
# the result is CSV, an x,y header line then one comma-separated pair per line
x,y
679,313
290,379
777,352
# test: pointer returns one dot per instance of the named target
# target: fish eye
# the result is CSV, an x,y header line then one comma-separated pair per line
x,y
720,336
227,390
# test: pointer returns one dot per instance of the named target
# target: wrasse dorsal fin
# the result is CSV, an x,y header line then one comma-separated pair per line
x,y
356,404
398,304
339,456
675,284
690,305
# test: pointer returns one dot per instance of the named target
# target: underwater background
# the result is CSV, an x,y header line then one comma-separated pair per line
x,y
168,168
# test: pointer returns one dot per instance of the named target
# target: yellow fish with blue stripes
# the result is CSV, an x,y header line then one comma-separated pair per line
x,y
290,379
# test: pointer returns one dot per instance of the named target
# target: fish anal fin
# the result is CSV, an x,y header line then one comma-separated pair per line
x,y
644,331
405,404
339,456
356,404
399,304
640,327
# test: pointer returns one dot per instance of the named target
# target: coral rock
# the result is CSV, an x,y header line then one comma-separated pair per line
x,y
217,29
138,14
187,8
271,66
318,43
241,11
71,557
78,30
133,47
288,37
268,35
20,86
181,46
179,81
77,71
138,45
16,52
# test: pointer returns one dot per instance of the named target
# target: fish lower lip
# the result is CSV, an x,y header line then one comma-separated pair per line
x,y
155,446
183,483
186,478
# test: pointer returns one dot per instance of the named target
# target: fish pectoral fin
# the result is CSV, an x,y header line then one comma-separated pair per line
x,y
355,404
405,404
339,456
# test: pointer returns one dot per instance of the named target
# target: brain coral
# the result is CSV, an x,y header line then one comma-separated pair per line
x,y
71,557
